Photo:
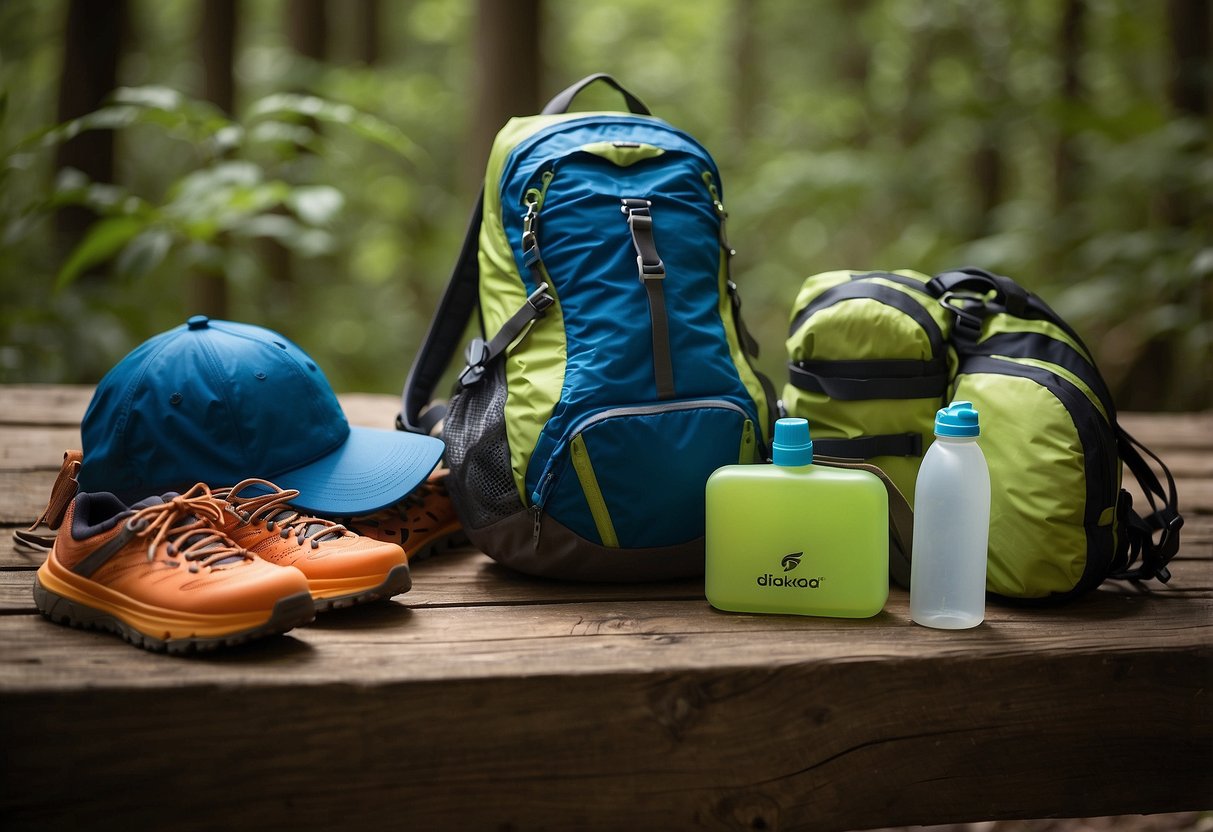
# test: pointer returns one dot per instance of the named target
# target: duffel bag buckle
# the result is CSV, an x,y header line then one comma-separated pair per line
x,y
969,314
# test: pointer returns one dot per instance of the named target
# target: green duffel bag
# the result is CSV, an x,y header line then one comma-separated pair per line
x,y
873,355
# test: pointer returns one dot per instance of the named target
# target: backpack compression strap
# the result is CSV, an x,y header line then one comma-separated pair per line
x,y
901,516
462,296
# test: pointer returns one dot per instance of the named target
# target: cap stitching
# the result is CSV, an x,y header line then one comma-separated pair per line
x,y
211,359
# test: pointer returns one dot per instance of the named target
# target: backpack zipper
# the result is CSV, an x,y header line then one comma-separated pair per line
x,y
721,213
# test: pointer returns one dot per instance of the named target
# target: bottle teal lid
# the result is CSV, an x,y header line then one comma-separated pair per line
x,y
957,419
792,446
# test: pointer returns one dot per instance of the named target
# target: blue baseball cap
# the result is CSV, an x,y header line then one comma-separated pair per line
x,y
218,402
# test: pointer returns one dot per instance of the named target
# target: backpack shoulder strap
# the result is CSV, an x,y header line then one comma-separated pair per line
x,y
445,331
1139,542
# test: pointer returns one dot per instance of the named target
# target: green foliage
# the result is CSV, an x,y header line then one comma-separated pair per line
x,y
231,196
850,133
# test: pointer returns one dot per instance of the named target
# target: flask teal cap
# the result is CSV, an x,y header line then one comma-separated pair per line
x,y
793,445
957,419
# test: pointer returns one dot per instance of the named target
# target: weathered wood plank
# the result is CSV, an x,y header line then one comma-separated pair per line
x,y
23,494
394,642
44,404
468,578
457,578
1166,431
484,698
31,448
1195,495
783,741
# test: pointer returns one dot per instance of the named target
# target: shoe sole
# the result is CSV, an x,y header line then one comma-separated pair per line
x,y
398,580
288,613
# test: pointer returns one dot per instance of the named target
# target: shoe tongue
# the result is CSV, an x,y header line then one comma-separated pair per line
x,y
191,539
311,526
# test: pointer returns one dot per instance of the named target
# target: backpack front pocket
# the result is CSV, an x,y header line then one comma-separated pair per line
x,y
633,477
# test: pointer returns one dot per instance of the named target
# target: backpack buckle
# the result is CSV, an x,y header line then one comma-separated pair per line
x,y
1168,544
650,271
477,355
539,299
969,315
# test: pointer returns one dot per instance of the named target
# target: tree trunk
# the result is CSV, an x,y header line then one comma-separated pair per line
x,y
1188,89
747,78
92,44
306,28
1161,375
992,59
915,110
366,32
218,53
509,70
855,67
208,291
1071,42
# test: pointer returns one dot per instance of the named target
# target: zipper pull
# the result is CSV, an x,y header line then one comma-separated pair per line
x,y
536,511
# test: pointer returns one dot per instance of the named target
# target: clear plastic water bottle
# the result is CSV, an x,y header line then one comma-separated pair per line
x,y
951,525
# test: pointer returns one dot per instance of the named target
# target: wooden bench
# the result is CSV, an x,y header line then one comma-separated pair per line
x,y
484,699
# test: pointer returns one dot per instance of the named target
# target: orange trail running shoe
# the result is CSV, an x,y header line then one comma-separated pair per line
x,y
342,568
162,576
424,522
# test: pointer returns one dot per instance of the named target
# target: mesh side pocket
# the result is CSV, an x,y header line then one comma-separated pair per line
x,y
478,453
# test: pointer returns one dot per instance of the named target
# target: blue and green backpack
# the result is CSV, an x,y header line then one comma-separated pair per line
x,y
612,374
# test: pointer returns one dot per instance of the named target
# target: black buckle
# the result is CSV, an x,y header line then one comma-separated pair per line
x,y
477,355
1168,540
650,271
539,299
967,326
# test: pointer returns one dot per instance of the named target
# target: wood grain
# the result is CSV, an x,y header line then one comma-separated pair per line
x,y
485,699
795,743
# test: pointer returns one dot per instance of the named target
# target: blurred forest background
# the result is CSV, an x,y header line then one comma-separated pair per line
x,y
309,166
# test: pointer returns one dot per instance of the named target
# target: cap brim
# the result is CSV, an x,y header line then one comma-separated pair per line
x,y
372,469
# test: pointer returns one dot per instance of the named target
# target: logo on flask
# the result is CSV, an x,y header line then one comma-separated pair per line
x,y
789,562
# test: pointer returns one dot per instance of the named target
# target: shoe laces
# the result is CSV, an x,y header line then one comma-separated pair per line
x,y
185,526
274,510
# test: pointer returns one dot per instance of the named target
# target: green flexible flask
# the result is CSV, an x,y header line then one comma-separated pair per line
x,y
794,537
